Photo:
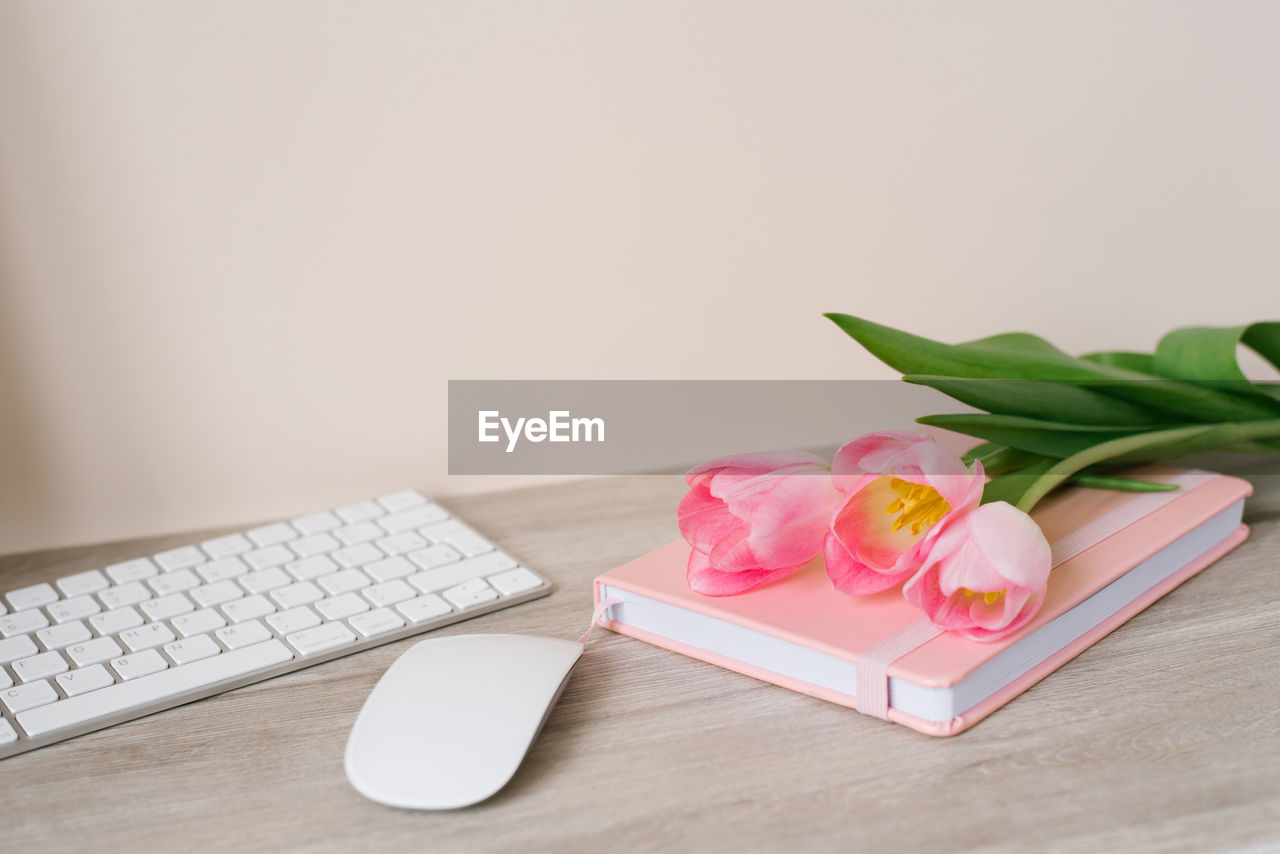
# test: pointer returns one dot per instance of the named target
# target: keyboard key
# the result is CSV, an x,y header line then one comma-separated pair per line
x,y
249,608
132,570
146,690
433,556
424,608
301,593
173,582
270,535
192,649
94,651
31,597
23,697
56,637
84,680
397,501
75,608
146,637
115,621
454,533
166,607
316,544
515,581
126,594
216,593
82,583
358,555
293,620
22,622
359,512
5,679
415,518
222,569
17,647
441,578
139,664
321,638
392,567
469,594
265,579
388,593
377,622
231,544
40,666
316,522
198,622
343,582
341,607
180,558
398,544
243,634
7,733
359,533
268,556
311,567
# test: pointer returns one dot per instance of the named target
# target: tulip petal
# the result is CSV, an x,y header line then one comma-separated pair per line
x,y
756,463
705,521
1012,543
704,579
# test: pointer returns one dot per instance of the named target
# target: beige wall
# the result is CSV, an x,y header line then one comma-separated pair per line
x,y
243,245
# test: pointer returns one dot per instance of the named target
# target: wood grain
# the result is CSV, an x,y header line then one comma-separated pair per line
x,y
1165,736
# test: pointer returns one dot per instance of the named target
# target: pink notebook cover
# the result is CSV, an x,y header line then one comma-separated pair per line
x,y
806,610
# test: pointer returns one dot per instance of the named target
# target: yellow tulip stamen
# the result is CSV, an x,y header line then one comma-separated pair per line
x,y
916,505
991,597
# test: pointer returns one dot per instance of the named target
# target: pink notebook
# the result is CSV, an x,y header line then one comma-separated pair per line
x,y
1114,554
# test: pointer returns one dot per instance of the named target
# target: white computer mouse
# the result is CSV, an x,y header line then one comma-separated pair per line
x,y
450,721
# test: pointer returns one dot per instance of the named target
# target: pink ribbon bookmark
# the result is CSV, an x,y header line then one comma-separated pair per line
x,y
597,615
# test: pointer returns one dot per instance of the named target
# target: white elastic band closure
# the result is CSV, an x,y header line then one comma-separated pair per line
x,y
871,695
872,668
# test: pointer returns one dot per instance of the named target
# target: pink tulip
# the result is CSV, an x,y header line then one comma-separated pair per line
x,y
897,486
985,572
754,518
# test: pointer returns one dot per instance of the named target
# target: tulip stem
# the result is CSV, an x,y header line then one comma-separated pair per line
x,y
1123,484
1198,438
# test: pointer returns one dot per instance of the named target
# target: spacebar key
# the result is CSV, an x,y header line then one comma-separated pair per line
x,y
152,689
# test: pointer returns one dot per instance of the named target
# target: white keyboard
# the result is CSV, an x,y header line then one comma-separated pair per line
x,y
93,649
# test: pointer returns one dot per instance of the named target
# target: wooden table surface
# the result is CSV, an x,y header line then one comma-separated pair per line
x,y
1165,736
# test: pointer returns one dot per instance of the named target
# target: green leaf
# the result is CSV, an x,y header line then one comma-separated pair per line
x,y
1051,438
1020,355
978,452
1140,362
997,459
1048,401
1010,487
1017,355
1208,354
